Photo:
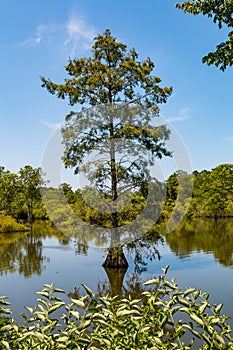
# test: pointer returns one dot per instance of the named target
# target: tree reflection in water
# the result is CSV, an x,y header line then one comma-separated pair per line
x,y
23,252
115,285
207,235
197,235
142,250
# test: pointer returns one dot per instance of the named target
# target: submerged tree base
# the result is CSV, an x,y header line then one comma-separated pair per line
x,y
115,259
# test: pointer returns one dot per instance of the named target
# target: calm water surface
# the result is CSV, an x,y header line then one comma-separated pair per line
x,y
200,254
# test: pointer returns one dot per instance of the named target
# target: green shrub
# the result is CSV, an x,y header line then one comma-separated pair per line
x,y
152,322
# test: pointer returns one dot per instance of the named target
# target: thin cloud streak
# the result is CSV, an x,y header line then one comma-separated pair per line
x,y
41,32
178,118
230,138
53,126
72,37
183,114
80,34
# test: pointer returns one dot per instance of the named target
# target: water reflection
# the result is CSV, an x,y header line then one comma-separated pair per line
x,y
209,236
23,252
45,255
142,251
115,285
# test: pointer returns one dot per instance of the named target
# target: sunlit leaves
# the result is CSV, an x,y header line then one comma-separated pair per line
x,y
111,75
20,192
91,322
221,11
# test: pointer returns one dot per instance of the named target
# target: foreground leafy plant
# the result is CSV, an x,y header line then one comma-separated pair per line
x,y
160,319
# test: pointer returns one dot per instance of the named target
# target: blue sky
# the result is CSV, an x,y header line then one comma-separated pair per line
x,y
38,37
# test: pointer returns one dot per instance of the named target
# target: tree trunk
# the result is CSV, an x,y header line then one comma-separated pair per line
x,y
116,278
30,218
114,218
115,259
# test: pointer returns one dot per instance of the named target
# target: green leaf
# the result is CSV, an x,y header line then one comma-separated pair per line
x,y
149,282
49,286
30,309
5,344
7,328
79,303
157,341
45,294
55,307
127,312
203,307
76,314
88,290
218,308
197,319
165,270
189,291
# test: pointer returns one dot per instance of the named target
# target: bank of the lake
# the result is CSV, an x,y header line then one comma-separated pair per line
x,y
8,224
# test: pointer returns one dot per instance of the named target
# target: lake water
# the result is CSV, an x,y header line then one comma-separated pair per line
x,y
200,254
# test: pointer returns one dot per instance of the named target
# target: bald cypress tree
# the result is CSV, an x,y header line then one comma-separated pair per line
x,y
119,96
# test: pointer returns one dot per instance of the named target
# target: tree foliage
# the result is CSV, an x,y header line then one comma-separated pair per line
x,y
9,224
20,193
221,11
212,197
111,76
212,192
31,181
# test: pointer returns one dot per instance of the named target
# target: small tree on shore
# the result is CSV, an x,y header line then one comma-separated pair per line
x,y
30,180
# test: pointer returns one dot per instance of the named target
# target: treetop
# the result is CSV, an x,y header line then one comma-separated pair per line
x,y
112,74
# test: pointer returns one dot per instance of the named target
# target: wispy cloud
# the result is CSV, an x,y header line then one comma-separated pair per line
x,y
40,33
179,118
183,114
72,37
229,138
52,126
80,34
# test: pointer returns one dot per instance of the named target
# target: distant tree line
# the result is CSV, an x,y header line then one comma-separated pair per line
x,y
212,192
20,197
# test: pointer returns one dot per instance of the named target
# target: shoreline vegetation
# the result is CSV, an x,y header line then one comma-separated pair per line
x,y
21,201
163,317
8,224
